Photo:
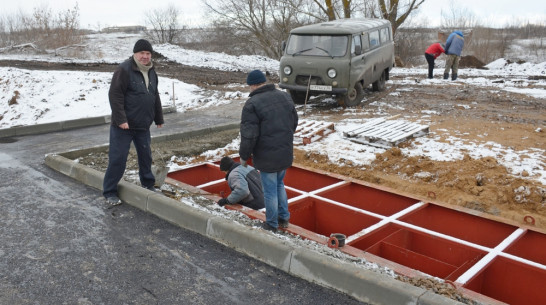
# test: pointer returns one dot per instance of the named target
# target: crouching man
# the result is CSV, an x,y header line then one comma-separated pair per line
x,y
245,184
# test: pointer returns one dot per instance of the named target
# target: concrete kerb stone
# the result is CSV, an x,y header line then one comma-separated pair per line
x,y
253,242
88,176
193,133
178,213
59,163
75,170
431,298
133,194
74,154
7,132
55,126
84,122
38,128
360,283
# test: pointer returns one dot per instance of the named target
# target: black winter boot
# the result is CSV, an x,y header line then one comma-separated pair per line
x,y
446,75
454,76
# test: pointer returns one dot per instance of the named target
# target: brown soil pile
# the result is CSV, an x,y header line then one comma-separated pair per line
x,y
471,61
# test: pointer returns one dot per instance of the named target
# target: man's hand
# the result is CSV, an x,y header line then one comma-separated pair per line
x,y
243,162
223,202
124,126
159,126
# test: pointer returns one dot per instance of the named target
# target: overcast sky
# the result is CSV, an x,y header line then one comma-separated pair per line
x,y
101,13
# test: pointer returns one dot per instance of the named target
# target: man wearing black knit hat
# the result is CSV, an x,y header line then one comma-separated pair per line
x,y
135,103
268,122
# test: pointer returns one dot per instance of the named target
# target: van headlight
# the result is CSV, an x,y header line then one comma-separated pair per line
x,y
332,73
287,70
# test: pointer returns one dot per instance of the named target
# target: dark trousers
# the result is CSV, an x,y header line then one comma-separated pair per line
x,y
430,60
120,141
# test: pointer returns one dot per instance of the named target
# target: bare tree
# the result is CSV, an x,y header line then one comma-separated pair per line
x,y
42,28
67,25
260,25
397,12
457,17
336,9
163,23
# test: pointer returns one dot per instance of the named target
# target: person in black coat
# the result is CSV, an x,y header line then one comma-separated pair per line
x,y
135,103
268,123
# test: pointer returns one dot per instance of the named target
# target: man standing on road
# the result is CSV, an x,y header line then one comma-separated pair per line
x,y
135,103
454,48
268,122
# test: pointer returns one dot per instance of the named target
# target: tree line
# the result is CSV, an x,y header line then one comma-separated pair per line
x,y
42,27
258,27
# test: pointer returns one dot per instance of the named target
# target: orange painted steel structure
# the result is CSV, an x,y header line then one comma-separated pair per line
x,y
485,259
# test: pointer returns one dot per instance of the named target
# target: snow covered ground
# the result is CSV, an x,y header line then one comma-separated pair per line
x,y
34,97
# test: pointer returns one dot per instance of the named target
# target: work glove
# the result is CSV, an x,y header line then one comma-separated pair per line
x,y
223,202
243,162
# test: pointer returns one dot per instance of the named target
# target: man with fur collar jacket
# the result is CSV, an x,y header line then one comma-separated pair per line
x,y
135,103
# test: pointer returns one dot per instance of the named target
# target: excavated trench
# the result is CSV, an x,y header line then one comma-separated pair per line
x,y
477,255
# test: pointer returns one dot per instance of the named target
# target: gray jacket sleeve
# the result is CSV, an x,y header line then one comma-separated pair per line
x,y
238,185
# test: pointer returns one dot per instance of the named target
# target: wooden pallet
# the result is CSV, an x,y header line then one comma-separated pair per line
x,y
385,133
311,131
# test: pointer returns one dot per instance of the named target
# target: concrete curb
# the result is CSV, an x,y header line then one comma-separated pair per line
x,y
362,284
63,125
53,127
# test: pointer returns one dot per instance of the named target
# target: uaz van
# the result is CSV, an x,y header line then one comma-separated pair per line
x,y
340,57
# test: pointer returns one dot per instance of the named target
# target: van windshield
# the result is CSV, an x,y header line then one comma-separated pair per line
x,y
317,45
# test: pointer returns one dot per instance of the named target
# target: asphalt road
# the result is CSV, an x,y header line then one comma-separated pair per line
x,y
61,243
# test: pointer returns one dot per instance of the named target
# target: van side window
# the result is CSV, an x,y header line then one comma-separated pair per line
x,y
374,39
365,42
356,42
384,35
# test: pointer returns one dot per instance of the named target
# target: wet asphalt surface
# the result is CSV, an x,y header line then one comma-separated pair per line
x,y
61,243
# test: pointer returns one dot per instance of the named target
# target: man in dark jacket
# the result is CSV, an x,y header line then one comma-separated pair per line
x,y
268,122
454,48
135,103
245,184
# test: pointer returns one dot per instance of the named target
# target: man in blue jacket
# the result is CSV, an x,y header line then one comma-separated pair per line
x,y
245,184
135,103
268,122
454,48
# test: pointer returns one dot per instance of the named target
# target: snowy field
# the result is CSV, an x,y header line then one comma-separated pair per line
x,y
34,97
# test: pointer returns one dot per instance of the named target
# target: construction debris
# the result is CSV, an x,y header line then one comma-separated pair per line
x,y
311,131
386,133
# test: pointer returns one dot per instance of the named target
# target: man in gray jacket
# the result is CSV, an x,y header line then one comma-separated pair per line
x,y
245,185
268,122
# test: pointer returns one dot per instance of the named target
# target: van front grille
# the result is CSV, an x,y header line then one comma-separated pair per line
x,y
303,80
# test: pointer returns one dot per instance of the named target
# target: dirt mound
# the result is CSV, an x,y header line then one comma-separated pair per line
x,y
471,61
399,62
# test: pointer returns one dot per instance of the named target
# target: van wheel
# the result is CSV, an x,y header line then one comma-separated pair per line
x,y
379,85
298,97
353,97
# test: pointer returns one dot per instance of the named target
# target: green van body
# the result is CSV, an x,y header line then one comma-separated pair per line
x,y
340,57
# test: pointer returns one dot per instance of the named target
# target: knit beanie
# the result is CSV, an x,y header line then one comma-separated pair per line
x,y
255,77
226,163
142,45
